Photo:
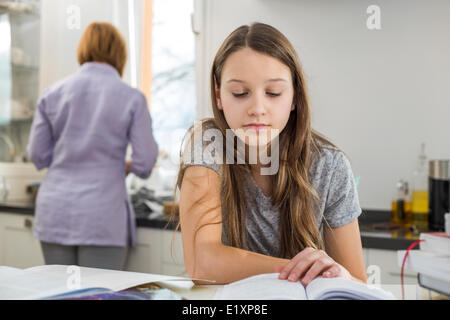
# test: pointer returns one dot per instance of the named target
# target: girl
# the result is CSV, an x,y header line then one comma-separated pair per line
x,y
235,221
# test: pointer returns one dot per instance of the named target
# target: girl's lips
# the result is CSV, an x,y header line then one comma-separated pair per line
x,y
256,126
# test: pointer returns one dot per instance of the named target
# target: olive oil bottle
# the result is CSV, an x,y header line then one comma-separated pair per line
x,y
400,208
419,195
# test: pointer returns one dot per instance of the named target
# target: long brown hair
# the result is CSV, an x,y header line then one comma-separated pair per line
x,y
292,192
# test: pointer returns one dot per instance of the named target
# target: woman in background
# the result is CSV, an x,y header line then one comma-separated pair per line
x,y
81,130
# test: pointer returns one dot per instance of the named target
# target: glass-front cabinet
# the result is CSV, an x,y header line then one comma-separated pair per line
x,y
19,75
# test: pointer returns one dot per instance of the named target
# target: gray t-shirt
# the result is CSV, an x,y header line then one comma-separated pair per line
x,y
330,175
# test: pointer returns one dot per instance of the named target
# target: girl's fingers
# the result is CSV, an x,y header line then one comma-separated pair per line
x,y
331,272
285,272
319,266
303,265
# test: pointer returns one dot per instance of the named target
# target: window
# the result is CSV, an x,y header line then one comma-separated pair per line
x,y
173,99
173,86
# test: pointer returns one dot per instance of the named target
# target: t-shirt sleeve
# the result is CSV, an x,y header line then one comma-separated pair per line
x,y
197,152
342,204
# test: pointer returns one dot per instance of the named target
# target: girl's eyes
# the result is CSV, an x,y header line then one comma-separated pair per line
x,y
241,95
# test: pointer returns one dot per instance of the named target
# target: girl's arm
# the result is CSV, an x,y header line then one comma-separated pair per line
x,y
205,256
343,245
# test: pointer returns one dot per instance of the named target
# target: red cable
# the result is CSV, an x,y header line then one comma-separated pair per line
x,y
415,243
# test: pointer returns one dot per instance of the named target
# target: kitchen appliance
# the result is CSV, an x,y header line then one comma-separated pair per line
x,y
439,193
16,183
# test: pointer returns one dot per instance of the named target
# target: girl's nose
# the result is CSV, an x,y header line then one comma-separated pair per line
x,y
257,107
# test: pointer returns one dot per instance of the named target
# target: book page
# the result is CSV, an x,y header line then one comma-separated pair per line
x,y
25,285
112,279
343,289
7,272
49,280
261,287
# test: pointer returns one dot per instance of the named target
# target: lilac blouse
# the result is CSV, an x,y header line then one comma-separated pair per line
x,y
81,130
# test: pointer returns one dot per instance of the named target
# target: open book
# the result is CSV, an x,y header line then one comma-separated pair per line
x,y
269,287
50,280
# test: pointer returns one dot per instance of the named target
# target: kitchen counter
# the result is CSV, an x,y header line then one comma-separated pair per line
x,y
17,207
376,232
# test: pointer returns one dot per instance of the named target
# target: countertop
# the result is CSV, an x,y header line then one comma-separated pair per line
x,y
376,232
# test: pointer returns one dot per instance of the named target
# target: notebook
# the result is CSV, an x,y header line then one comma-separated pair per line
x,y
269,287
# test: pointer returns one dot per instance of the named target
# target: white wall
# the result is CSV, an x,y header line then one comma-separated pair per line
x,y
59,42
377,94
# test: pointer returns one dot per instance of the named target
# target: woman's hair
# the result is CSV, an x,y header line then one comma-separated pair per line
x,y
102,42
292,192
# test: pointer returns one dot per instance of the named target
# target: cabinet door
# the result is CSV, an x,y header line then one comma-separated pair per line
x,y
18,247
389,274
153,253
365,254
171,269
386,260
146,255
173,258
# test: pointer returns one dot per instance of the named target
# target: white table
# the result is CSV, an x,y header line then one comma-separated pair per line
x,y
199,292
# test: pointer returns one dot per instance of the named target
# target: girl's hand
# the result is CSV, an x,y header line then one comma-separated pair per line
x,y
309,264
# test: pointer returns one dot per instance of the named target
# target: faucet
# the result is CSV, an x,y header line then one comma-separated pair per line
x,y
9,143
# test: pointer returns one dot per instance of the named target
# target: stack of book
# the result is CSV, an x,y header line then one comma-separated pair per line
x,y
431,262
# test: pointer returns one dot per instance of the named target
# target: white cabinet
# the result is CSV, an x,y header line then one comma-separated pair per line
x,y
154,253
365,255
143,257
382,269
386,261
173,258
18,247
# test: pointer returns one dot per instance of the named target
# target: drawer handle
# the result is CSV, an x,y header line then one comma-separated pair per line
x,y
406,274
28,223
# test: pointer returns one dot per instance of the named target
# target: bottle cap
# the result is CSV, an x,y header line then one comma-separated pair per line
x,y
440,169
402,188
